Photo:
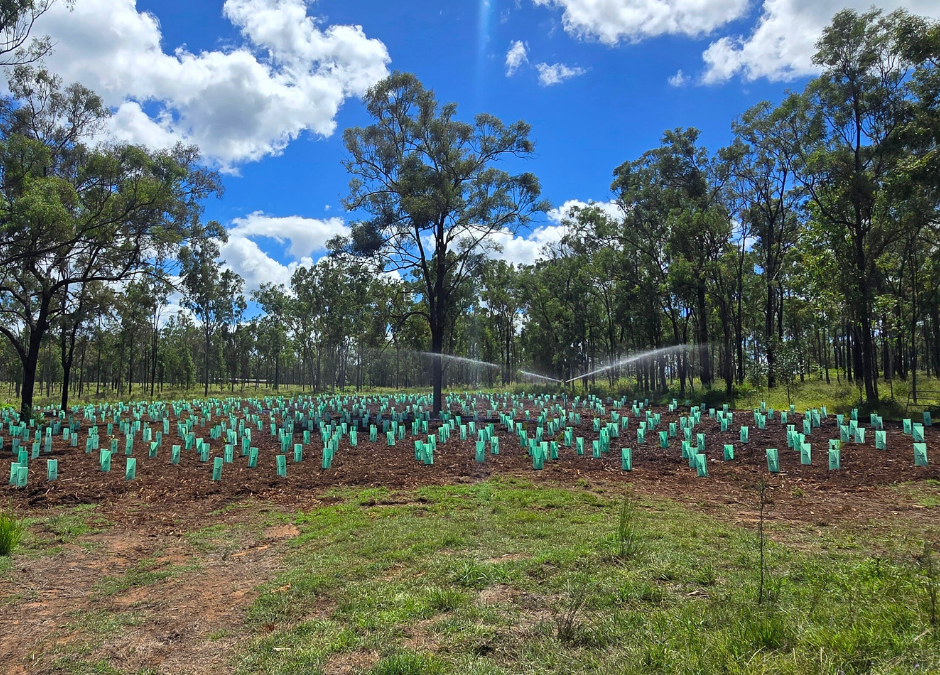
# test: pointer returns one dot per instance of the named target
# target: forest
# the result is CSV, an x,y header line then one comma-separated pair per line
x,y
806,248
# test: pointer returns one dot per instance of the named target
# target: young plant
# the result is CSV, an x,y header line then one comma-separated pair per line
x,y
11,530
762,504
628,528
931,583
566,613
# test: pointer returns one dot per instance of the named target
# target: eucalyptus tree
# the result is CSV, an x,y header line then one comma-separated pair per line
x,y
17,20
272,327
88,301
674,216
848,126
431,192
501,294
72,213
211,293
760,163
304,313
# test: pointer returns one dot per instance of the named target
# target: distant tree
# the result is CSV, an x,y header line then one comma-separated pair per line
x,y
211,293
272,327
434,198
73,214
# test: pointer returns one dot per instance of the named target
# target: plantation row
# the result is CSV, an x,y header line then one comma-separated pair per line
x,y
269,432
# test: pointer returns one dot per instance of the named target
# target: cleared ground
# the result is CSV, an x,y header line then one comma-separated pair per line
x,y
382,564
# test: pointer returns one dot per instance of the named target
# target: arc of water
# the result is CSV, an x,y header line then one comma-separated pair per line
x,y
630,359
461,359
542,377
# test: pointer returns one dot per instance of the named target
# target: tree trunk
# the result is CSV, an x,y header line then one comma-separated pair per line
x,y
208,340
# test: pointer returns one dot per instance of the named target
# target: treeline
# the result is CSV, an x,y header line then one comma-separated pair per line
x,y
807,247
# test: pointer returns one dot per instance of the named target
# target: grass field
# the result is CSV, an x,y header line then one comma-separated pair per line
x,y
501,576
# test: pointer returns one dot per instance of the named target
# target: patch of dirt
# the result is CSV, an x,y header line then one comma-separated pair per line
x,y
497,595
165,491
350,662
189,622
419,638
287,531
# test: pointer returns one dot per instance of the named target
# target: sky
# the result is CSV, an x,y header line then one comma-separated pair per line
x,y
266,87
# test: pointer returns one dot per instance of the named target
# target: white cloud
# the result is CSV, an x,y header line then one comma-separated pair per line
x,y
239,104
302,237
516,56
611,21
556,73
526,249
243,256
561,213
678,80
306,235
529,248
782,44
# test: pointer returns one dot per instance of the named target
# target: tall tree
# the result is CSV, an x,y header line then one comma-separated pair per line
x,y
432,193
211,293
72,214
848,125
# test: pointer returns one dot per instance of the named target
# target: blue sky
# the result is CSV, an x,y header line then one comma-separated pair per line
x,y
265,87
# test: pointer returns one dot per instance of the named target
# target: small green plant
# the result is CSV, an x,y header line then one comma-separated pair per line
x,y
762,504
566,613
11,531
931,583
408,663
628,529
445,599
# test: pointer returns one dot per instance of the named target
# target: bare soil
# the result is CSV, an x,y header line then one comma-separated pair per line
x,y
193,622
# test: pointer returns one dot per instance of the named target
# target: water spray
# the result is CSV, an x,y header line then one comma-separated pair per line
x,y
630,359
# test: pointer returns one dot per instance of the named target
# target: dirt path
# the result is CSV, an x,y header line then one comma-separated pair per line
x,y
140,595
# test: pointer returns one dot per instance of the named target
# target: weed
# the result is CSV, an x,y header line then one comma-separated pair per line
x,y
408,663
931,583
565,614
11,531
762,503
445,599
628,528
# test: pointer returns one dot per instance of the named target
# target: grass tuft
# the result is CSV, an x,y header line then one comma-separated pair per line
x,y
11,531
408,663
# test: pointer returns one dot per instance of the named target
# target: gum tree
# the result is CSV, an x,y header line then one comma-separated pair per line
x,y
73,214
431,194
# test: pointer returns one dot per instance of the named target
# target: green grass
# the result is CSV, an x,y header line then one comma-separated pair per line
x,y
507,577
145,573
11,531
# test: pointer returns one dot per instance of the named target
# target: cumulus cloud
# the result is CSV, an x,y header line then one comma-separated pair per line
x,y
529,248
611,21
678,80
561,213
301,237
290,75
305,235
782,44
526,249
516,56
556,73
